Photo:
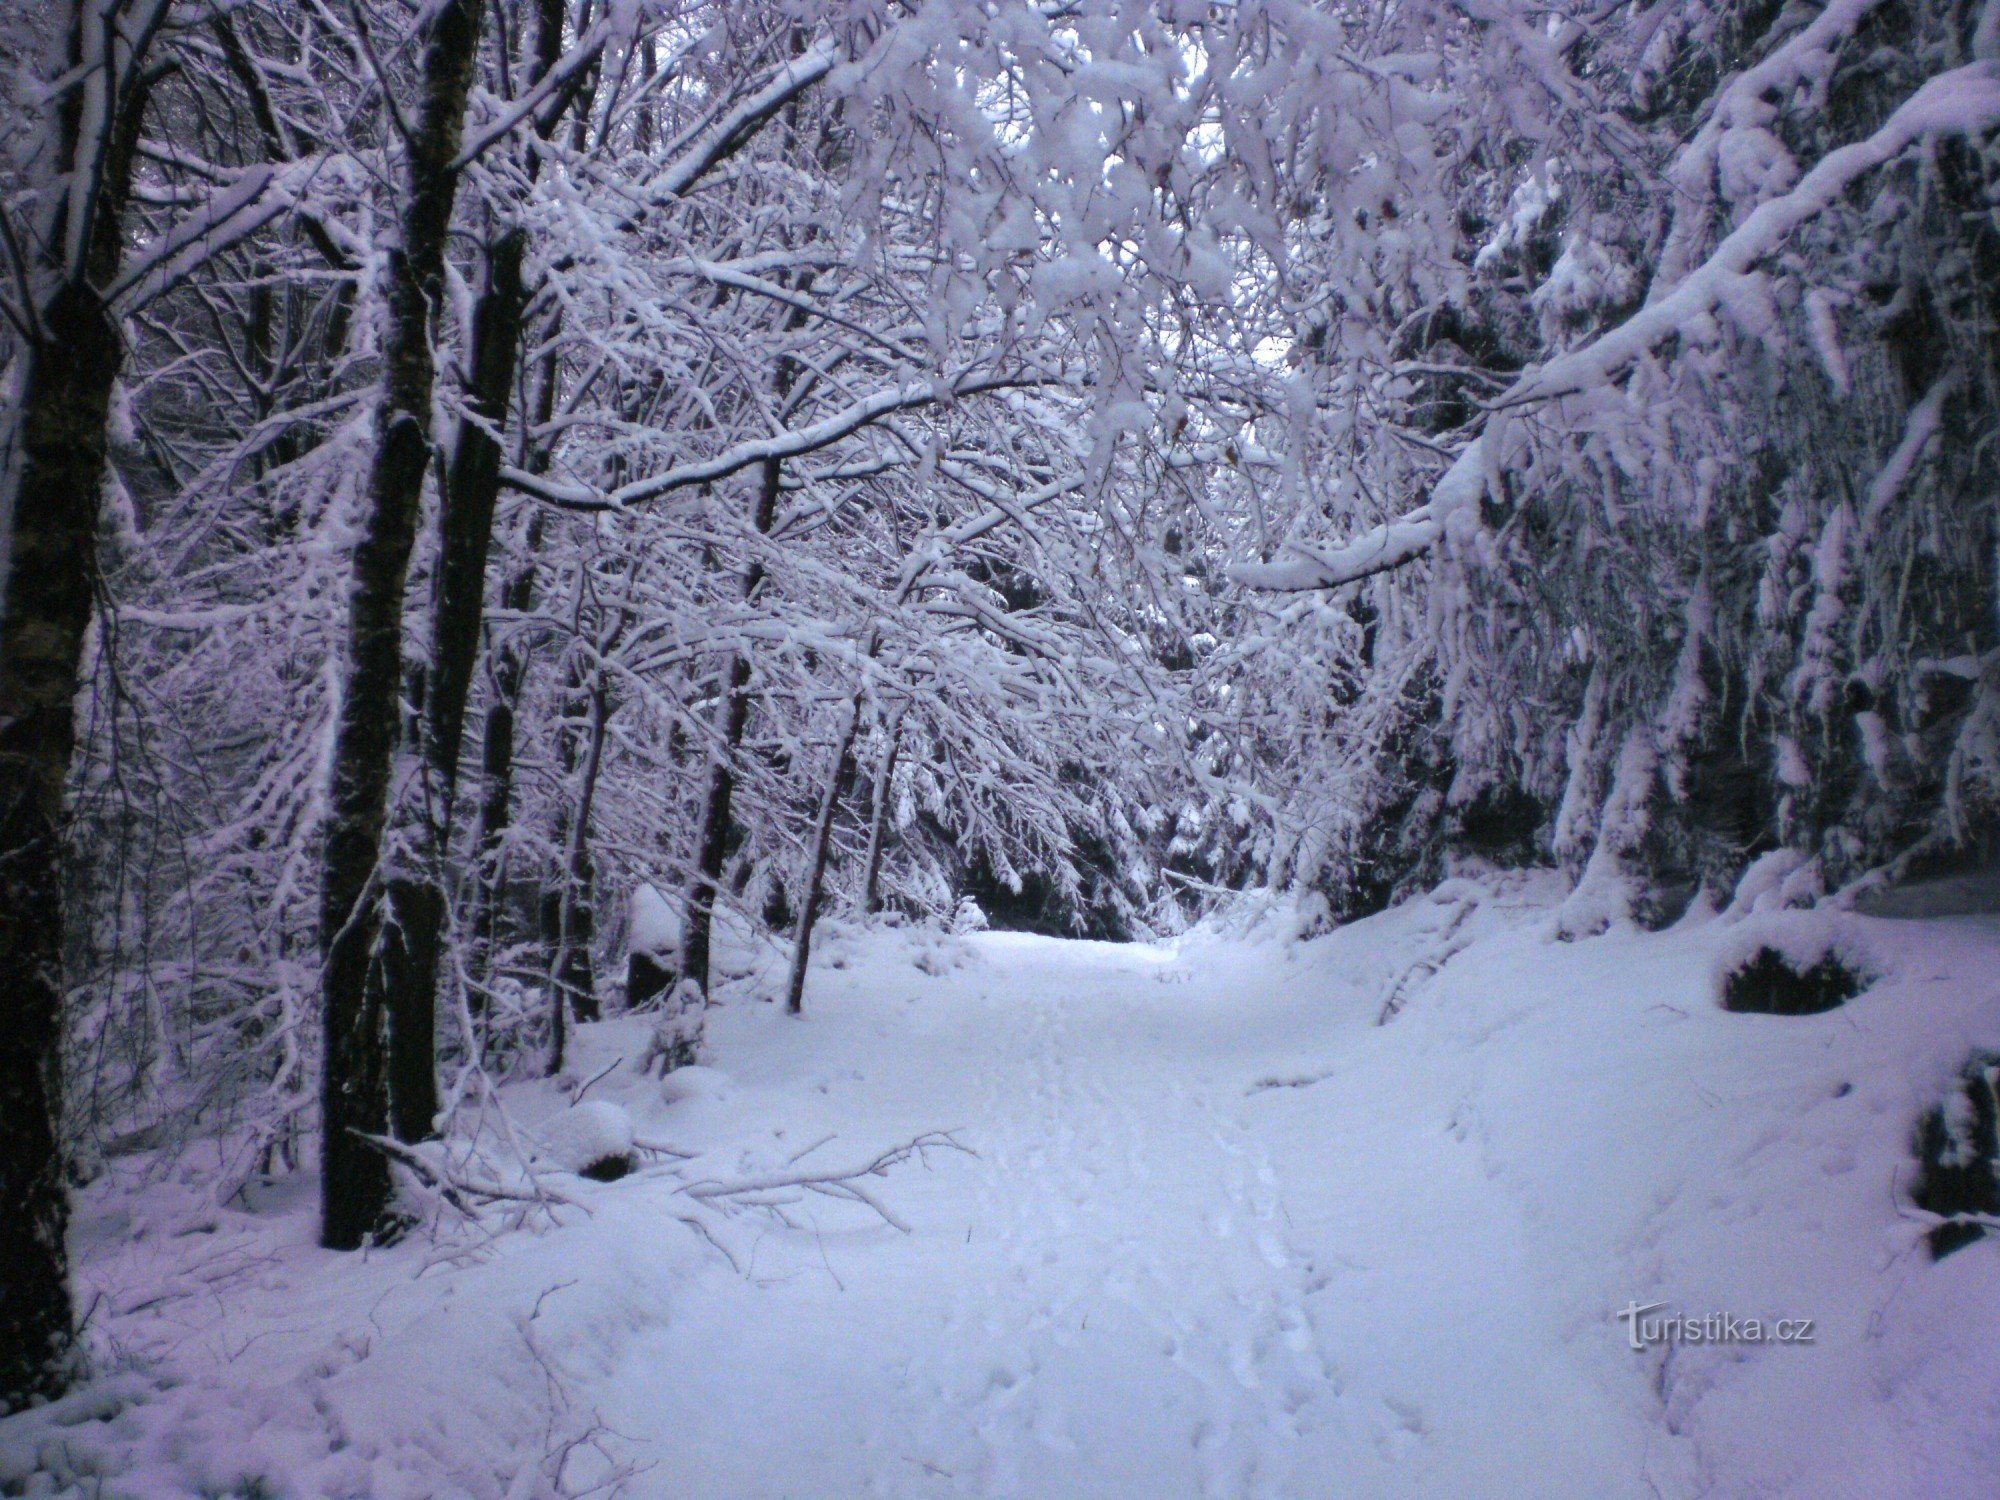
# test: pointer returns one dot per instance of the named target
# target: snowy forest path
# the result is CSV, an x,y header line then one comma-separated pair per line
x,y
1112,1296
1216,1235
1145,1287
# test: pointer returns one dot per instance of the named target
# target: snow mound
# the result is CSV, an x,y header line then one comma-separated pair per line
x,y
695,1082
593,1138
655,925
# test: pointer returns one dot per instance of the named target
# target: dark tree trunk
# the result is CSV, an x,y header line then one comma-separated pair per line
x,y
716,815
572,984
405,971
412,939
471,495
355,1183
49,549
509,674
66,399
510,670
816,860
412,946
878,815
466,519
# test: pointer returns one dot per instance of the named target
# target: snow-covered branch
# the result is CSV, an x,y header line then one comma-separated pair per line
x,y
756,451
1964,101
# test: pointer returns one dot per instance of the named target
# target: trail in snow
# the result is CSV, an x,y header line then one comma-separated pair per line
x,y
1145,1328
1226,1238
1109,1299
1218,1235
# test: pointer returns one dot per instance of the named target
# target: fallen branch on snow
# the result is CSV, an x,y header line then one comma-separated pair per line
x,y
457,1190
775,1190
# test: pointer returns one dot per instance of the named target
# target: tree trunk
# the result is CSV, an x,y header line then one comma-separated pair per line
x,y
496,812
878,814
412,940
572,984
822,846
66,397
50,486
405,972
509,676
465,537
355,1183
698,941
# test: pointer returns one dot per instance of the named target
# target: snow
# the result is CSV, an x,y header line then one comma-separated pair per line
x,y
590,1133
1215,1232
655,924
1964,101
1382,548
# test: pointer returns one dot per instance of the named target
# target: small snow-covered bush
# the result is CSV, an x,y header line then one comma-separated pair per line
x,y
1799,964
1958,1158
678,1028
593,1139
1770,985
653,947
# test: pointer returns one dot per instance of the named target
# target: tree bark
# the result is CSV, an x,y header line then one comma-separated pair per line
x,y
572,984
465,537
878,814
50,487
355,1184
466,519
509,672
65,401
405,975
713,848
698,942
412,944
822,846
496,811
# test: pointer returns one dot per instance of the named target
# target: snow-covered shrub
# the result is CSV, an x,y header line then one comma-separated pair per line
x,y
592,1139
1958,1158
1793,964
679,1025
652,947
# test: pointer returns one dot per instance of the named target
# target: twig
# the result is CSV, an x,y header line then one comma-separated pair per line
x,y
661,1148
798,1156
765,1192
452,1189
598,1077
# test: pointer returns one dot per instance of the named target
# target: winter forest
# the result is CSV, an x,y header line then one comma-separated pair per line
x,y
1043,748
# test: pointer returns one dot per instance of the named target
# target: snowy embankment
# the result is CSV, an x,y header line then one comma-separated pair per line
x,y
1217,1233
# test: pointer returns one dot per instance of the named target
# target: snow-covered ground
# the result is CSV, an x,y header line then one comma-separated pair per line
x,y
1215,1233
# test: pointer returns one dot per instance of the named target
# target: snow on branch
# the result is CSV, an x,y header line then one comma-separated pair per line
x,y
1964,101
754,451
742,120
462,1193
254,199
1388,546
566,76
